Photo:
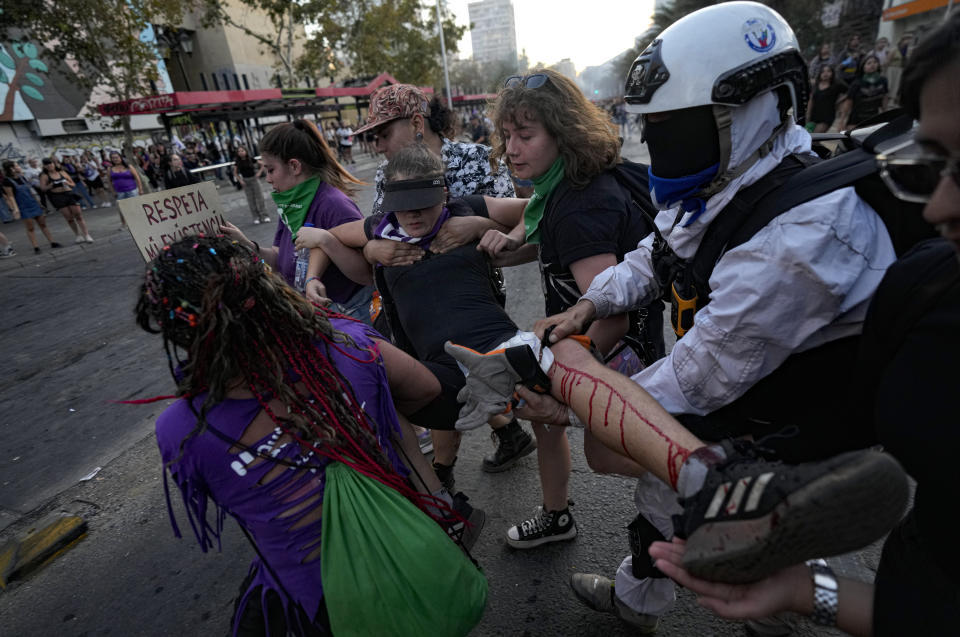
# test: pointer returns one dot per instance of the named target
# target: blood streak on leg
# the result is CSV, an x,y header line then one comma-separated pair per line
x,y
676,454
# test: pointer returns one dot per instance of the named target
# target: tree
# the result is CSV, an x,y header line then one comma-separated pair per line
x,y
101,40
373,36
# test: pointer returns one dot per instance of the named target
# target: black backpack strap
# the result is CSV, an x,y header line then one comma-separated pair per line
x,y
750,209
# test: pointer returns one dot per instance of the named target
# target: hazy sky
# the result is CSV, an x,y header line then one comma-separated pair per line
x,y
589,32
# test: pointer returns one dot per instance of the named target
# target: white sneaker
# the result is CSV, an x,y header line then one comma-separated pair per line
x,y
7,252
88,239
256,222
79,239
266,219
105,204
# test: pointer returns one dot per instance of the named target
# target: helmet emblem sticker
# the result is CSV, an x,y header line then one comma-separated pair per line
x,y
759,35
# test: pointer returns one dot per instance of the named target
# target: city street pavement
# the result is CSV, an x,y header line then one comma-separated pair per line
x,y
71,348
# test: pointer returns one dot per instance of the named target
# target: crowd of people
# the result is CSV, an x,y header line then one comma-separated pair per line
x,y
856,83
753,439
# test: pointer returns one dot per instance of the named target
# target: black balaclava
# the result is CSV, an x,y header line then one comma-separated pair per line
x,y
685,143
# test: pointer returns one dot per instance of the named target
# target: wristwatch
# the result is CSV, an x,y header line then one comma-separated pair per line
x,y
825,598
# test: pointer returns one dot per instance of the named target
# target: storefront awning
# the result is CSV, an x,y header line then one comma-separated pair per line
x,y
912,8
260,99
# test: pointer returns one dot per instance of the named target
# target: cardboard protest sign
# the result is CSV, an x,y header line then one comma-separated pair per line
x,y
159,218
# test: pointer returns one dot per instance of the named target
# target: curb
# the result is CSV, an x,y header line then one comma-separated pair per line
x,y
50,537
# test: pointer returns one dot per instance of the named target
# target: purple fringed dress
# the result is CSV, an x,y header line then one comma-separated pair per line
x,y
208,474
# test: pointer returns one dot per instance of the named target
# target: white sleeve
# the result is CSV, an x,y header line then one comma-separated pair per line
x,y
803,280
629,285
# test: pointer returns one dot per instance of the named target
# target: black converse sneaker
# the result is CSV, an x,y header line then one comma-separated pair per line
x,y
543,527
753,517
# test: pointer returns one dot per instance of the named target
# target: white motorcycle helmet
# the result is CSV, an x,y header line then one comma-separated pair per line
x,y
723,55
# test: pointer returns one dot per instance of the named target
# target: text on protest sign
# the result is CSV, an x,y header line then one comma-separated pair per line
x,y
163,217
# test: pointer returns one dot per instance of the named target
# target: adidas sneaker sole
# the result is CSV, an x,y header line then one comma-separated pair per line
x,y
841,511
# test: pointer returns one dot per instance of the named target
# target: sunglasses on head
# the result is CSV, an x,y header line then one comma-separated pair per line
x,y
915,177
526,81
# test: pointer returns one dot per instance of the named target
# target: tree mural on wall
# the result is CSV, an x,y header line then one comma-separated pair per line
x,y
17,72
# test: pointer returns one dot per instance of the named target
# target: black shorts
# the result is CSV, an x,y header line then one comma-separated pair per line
x,y
443,411
63,199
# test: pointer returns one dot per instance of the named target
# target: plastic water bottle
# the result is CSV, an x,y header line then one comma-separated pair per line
x,y
303,261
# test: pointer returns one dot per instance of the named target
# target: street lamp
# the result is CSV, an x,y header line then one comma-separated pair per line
x,y
179,41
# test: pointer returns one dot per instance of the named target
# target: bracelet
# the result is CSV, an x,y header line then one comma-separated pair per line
x,y
825,599
312,278
256,247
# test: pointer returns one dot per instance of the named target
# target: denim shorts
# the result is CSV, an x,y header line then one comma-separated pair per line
x,y
357,306
127,194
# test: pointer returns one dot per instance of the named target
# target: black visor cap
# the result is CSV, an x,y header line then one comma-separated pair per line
x,y
412,194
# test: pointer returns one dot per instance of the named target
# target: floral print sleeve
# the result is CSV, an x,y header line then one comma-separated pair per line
x,y
378,181
468,171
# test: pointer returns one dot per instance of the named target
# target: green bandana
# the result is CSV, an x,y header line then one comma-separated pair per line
x,y
542,187
294,203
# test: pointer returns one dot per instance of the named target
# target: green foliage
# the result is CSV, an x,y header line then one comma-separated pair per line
x,y
373,36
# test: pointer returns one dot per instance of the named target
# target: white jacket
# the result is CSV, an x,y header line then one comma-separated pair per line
x,y
803,280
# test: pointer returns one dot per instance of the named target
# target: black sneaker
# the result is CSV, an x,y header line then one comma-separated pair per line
x,y
466,533
753,517
513,443
543,527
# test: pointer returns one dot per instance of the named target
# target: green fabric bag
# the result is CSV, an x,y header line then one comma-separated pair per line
x,y
387,568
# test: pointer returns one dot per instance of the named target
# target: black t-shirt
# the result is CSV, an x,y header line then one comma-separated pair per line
x,y
447,296
581,223
916,417
867,98
824,109
246,167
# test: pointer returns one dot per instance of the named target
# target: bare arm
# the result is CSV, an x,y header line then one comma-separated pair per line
x,y
495,242
507,211
788,590
527,253
136,177
269,254
607,331
350,260
11,201
412,384
350,234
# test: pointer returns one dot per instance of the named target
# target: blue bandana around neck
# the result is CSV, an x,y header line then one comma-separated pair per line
x,y
667,193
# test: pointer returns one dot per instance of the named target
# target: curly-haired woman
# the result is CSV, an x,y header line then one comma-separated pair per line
x,y
578,222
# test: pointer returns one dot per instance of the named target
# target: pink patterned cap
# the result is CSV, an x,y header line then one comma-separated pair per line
x,y
394,102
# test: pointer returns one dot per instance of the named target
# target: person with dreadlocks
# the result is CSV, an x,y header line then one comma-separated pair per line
x,y
286,421
310,189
